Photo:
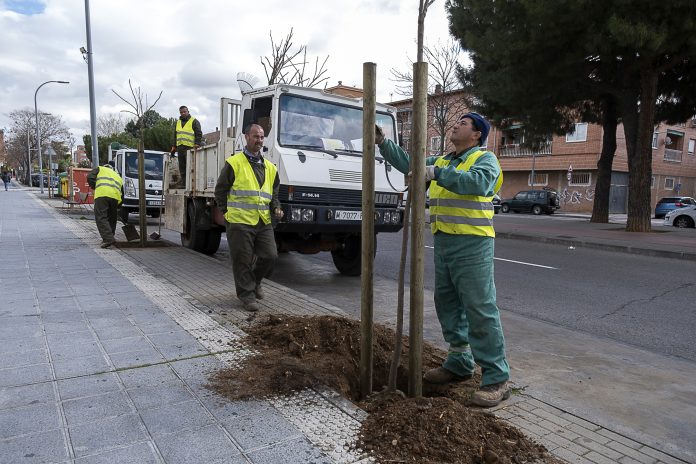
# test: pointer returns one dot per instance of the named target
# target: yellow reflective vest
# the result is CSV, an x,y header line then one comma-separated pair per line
x,y
108,184
247,202
184,134
453,213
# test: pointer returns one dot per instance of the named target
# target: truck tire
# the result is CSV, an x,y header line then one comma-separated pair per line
x,y
213,242
194,238
347,259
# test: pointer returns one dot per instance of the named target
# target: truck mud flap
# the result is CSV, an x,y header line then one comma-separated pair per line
x,y
176,212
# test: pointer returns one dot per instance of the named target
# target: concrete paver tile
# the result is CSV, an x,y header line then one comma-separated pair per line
x,y
263,428
297,451
65,327
90,385
29,419
26,395
64,352
136,358
19,344
108,333
85,365
37,448
157,396
13,333
121,345
194,368
23,358
75,339
17,376
68,315
189,415
96,437
138,453
87,409
209,444
148,375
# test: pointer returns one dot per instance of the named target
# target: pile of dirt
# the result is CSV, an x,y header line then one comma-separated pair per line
x,y
297,352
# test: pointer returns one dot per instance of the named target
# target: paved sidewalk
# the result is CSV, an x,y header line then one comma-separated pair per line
x,y
107,353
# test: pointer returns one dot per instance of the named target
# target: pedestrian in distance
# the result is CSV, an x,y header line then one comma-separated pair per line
x,y
187,135
247,194
462,185
108,195
6,179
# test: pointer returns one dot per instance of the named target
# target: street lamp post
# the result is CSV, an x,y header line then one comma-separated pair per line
x,y
38,138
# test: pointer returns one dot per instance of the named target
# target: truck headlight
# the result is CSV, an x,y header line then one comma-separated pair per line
x,y
129,188
396,217
307,215
387,217
302,215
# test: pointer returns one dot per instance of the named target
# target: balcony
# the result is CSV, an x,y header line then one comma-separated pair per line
x,y
673,155
514,150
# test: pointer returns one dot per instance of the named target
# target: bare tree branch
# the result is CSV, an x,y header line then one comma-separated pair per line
x,y
289,66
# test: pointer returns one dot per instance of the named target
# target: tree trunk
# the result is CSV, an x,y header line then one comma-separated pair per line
x,y
600,207
640,164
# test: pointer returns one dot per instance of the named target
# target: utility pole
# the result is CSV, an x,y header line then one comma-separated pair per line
x,y
92,104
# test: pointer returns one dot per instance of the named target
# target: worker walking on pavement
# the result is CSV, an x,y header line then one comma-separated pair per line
x,y
247,192
108,187
461,215
187,135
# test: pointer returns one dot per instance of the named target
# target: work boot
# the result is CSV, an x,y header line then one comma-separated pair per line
x,y
440,375
491,395
107,244
260,294
251,306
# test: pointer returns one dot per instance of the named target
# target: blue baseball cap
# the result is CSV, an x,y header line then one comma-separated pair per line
x,y
480,124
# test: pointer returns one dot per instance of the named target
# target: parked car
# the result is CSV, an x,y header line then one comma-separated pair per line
x,y
36,180
667,204
535,201
681,217
496,203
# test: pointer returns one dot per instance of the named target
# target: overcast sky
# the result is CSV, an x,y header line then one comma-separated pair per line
x,y
192,50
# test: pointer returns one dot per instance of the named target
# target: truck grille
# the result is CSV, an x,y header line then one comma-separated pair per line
x,y
333,196
337,175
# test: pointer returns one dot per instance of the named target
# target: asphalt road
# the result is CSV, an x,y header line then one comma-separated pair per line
x,y
642,301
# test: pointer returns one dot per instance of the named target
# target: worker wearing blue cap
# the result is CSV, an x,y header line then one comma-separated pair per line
x,y
461,218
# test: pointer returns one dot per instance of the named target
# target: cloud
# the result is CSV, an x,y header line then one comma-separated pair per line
x,y
191,51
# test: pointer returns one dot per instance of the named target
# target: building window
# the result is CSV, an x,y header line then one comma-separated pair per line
x,y
654,143
435,144
652,182
579,134
540,179
580,179
669,183
692,142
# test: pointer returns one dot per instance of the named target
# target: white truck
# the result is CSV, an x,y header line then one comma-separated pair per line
x,y
315,139
126,161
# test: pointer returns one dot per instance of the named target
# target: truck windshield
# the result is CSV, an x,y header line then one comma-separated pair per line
x,y
154,163
308,124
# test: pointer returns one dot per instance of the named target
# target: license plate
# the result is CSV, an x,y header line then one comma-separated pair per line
x,y
154,203
348,215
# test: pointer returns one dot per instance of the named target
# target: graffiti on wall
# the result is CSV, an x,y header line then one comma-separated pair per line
x,y
575,197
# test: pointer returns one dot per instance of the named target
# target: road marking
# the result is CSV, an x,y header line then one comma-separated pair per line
x,y
513,261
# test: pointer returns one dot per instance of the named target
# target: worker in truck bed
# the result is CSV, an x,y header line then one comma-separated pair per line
x,y
247,193
461,215
188,135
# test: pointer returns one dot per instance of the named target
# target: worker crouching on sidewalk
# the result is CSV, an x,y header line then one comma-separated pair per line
x,y
247,192
107,185
461,215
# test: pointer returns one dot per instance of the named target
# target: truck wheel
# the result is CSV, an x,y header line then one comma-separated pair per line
x,y
123,214
347,259
212,243
193,238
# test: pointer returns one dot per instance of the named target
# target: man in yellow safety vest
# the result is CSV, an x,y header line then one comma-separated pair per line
x,y
108,186
461,216
247,195
188,135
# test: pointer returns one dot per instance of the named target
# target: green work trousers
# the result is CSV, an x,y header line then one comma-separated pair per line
x,y
466,307
106,215
253,254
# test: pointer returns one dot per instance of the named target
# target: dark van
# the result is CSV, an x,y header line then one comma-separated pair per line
x,y
535,201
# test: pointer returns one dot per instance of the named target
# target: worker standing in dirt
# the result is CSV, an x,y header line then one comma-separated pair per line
x,y
187,135
107,186
461,215
247,192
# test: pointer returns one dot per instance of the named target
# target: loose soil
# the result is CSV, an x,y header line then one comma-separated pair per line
x,y
296,352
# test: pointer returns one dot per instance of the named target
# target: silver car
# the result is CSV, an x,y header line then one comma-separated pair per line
x,y
681,217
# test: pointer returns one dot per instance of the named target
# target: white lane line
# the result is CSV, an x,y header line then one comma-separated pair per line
x,y
512,261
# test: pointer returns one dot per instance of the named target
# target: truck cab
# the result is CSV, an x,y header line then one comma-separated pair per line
x,y
315,140
126,161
